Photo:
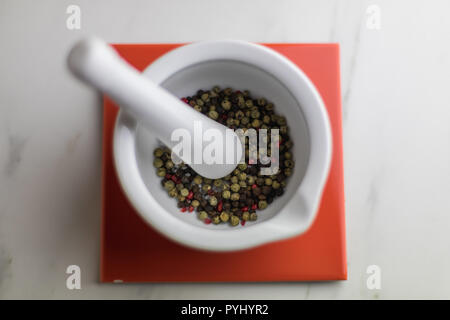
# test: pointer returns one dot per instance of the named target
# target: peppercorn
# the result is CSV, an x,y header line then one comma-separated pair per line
x,y
256,123
213,201
262,204
228,91
206,187
235,196
158,152
169,185
202,215
268,181
254,114
224,216
259,181
213,114
253,216
173,193
184,192
235,187
288,163
226,194
161,172
198,180
216,219
226,104
158,163
245,216
169,164
234,220
256,191
195,203
218,183
275,184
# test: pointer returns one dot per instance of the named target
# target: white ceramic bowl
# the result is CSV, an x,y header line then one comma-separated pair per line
x,y
240,65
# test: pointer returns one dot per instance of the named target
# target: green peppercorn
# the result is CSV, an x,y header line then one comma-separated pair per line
x,y
226,104
213,114
213,201
255,114
230,122
288,172
215,219
268,181
218,183
235,187
269,107
184,192
266,119
251,180
226,194
249,103
242,166
253,216
198,108
198,180
246,216
195,203
205,96
242,176
288,163
158,152
161,172
245,121
234,179
281,121
234,220
275,184
224,216
242,184
173,193
228,91
202,215
206,187
288,155
256,123
158,163
169,185
235,196
262,204
169,164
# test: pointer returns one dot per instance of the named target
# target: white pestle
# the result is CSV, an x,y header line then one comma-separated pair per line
x,y
96,63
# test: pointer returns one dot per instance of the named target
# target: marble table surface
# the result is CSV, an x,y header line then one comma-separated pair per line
x,y
395,59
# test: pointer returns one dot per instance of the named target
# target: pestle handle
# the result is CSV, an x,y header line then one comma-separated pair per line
x,y
96,63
